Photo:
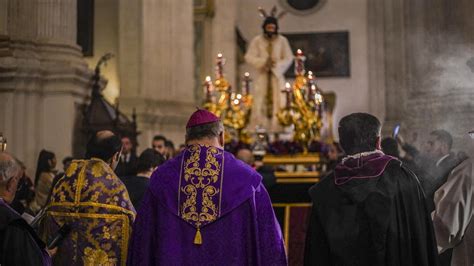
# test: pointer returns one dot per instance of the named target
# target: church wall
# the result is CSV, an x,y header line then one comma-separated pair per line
x,y
352,93
156,66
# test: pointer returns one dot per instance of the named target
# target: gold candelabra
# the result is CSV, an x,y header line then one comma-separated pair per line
x,y
234,108
304,105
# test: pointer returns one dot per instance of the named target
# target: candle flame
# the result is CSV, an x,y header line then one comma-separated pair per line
x,y
299,52
219,55
247,74
208,78
287,85
236,102
239,96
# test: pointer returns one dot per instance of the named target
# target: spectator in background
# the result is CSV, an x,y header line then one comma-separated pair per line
x,y
147,163
169,149
390,147
25,193
19,244
440,161
44,177
127,165
333,155
159,144
267,172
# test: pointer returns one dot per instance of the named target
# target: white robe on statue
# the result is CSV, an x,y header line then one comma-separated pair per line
x,y
257,55
453,218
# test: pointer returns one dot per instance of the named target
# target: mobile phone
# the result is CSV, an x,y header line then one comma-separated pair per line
x,y
396,130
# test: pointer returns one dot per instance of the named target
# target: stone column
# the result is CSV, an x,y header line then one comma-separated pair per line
x,y
156,66
46,77
223,39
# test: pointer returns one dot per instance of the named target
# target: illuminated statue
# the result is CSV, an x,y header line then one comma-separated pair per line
x,y
271,55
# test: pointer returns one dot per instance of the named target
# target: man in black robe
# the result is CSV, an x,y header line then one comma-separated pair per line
x,y
127,165
371,209
19,244
147,163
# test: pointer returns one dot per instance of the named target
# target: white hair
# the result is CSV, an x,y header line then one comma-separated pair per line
x,y
8,167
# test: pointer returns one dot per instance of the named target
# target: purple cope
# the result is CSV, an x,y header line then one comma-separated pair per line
x,y
205,207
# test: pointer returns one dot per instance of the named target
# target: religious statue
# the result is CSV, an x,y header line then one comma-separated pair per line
x,y
271,55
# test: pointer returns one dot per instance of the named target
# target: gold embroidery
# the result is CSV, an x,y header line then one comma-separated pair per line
x,y
71,169
96,257
83,198
124,230
201,181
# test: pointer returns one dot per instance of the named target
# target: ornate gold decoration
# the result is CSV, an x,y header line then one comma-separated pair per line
x,y
204,180
232,107
77,197
303,107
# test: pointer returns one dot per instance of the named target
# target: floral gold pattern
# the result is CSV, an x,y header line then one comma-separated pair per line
x,y
95,201
200,186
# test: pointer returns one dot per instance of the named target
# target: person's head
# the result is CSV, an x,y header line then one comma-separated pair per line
x,y
204,127
127,145
46,163
270,27
148,161
390,147
159,144
246,156
104,145
439,143
66,162
10,174
359,132
333,151
169,149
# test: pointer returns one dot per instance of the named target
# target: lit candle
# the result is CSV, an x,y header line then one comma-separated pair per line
x,y
208,88
246,84
299,63
219,66
287,91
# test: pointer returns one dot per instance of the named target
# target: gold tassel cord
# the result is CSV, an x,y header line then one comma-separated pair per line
x,y
269,92
198,237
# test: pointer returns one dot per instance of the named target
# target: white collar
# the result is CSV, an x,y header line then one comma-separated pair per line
x,y
360,155
441,159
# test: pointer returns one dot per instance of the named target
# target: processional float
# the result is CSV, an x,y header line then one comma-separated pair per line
x,y
303,110
304,113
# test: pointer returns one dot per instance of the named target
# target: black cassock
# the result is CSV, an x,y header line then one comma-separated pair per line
x,y
381,220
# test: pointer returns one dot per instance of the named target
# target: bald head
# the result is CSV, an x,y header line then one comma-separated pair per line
x,y
103,134
246,156
103,145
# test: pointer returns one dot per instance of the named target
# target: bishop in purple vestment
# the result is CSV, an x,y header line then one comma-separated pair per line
x,y
205,207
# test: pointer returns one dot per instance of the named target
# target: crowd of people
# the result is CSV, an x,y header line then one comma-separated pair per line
x,y
384,202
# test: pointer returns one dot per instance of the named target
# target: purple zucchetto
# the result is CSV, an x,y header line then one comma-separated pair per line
x,y
201,117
